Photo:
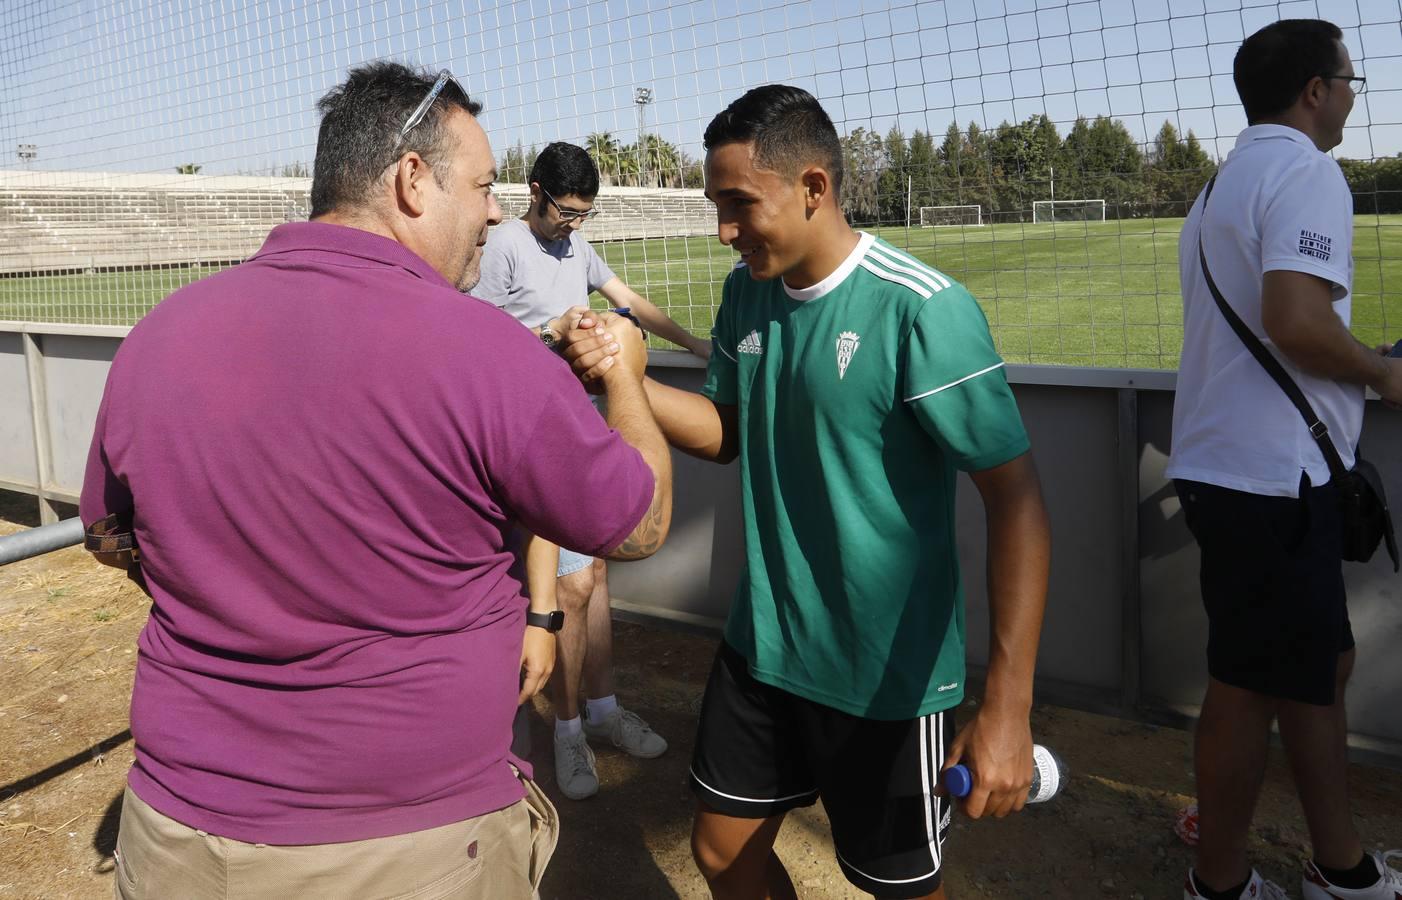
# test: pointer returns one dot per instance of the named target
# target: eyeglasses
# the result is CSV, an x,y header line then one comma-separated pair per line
x,y
569,215
422,109
1356,83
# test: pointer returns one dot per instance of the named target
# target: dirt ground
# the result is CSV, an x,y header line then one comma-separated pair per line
x,y
67,653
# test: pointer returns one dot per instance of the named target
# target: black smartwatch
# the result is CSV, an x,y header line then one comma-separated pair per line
x,y
552,621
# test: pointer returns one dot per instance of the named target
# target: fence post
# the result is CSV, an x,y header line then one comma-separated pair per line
x,y
39,421
1127,474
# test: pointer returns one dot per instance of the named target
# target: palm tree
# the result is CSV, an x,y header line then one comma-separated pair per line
x,y
188,169
663,162
659,160
625,164
604,148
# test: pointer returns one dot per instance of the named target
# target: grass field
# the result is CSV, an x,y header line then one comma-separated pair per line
x,y
1073,293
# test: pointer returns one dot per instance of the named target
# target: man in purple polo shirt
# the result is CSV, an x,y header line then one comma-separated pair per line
x,y
322,453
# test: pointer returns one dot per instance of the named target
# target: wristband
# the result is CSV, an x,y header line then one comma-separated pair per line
x,y
551,621
627,313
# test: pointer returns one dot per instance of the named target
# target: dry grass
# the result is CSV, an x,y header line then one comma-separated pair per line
x,y
60,608
68,630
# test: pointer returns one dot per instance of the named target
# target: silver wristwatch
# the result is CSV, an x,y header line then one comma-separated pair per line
x,y
548,337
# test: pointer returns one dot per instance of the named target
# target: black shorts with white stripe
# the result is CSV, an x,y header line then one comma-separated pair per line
x,y
762,751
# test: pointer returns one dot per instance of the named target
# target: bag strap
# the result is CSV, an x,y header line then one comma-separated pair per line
x,y
1318,430
110,534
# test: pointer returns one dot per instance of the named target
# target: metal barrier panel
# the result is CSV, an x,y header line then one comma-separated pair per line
x,y
1175,629
692,578
1124,631
1074,440
75,369
17,467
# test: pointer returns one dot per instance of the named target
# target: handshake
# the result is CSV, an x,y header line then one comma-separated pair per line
x,y
601,346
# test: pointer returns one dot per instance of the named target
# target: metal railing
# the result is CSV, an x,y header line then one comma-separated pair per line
x,y
41,540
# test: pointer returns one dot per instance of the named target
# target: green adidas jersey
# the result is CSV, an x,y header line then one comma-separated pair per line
x,y
859,398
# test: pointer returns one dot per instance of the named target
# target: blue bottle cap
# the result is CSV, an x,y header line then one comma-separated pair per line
x,y
958,780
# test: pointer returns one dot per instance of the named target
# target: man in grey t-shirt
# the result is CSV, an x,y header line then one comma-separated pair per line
x,y
537,279
538,268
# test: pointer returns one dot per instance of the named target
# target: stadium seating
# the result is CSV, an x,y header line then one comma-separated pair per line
x,y
93,221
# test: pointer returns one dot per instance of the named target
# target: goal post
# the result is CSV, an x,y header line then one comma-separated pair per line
x,y
945,216
1068,211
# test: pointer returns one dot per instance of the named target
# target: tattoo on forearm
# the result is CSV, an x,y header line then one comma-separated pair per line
x,y
647,537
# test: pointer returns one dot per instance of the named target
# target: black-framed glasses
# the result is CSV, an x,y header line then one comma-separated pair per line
x,y
569,215
1356,83
422,109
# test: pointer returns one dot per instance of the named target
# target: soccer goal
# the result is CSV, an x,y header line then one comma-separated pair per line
x,y
942,216
1068,210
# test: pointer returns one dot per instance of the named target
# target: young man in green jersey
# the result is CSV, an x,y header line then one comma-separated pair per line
x,y
853,382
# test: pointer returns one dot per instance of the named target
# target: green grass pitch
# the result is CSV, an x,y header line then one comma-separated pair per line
x,y
1073,293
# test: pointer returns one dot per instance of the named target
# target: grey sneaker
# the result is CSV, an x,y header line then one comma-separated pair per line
x,y
574,767
629,733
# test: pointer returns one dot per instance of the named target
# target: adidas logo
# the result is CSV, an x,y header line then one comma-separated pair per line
x,y
751,344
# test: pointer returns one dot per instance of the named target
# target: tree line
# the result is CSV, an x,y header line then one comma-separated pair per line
x,y
650,162
1006,169
1003,170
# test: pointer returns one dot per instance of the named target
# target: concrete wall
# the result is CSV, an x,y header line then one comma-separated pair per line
x,y
1125,630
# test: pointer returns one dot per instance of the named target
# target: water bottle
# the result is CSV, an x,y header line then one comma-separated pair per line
x,y
1048,776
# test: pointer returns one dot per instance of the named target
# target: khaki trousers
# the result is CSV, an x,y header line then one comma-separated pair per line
x,y
498,856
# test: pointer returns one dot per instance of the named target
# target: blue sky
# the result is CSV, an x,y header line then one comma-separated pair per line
x,y
143,85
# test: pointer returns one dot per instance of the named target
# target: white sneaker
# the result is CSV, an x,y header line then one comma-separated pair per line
x,y
1389,885
574,767
1257,888
628,732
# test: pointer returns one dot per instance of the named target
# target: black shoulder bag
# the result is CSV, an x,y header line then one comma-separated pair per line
x,y
1363,512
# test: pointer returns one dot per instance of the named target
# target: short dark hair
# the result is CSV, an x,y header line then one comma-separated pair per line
x,y
360,124
1273,66
564,170
789,129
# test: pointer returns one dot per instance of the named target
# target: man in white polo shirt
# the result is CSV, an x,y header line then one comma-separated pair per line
x,y
1277,232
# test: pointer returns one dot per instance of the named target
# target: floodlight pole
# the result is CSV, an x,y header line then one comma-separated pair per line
x,y
642,97
27,153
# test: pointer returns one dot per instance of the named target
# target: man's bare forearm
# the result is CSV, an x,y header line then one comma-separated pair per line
x,y
1326,349
630,415
542,564
662,325
694,424
651,317
1019,559
1297,312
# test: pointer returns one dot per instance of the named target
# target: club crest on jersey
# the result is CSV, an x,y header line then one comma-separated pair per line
x,y
751,344
847,343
